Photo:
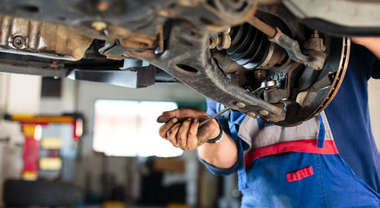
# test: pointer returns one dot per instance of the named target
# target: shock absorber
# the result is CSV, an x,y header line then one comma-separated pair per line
x,y
251,48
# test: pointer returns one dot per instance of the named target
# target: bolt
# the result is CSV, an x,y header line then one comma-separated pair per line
x,y
102,6
252,114
188,3
157,51
225,40
270,84
99,25
260,74
221,40
214,41
264,112
19,42
240,104
315,34
166,12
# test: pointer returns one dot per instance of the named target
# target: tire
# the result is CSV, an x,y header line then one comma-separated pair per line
x,y
18,193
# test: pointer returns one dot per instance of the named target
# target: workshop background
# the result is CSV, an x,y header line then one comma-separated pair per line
x,y
119,160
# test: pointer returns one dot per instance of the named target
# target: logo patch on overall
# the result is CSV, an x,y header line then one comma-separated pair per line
x,y
300,174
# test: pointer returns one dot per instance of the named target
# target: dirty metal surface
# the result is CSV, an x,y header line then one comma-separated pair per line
x,y
42,39
188,39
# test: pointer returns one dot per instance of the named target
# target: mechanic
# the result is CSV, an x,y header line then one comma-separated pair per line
x,y
294,166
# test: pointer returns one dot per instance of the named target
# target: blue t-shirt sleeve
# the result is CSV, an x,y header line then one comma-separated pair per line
x,y
368,59
376,70
212,109
349,119
368,67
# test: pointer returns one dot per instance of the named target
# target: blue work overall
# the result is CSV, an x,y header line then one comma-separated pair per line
x,y
292,166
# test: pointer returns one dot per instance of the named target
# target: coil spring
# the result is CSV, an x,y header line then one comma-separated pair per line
x,y
249,46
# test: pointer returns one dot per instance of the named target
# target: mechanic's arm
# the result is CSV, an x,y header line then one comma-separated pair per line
x,y
372,43
182,129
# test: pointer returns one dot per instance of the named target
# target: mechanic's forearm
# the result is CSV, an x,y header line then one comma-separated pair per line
x,y
223,154
375,48
372,43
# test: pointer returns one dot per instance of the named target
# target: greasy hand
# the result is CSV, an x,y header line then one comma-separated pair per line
x,y
181,128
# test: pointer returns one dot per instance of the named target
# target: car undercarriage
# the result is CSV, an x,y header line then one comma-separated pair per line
x,y
282,60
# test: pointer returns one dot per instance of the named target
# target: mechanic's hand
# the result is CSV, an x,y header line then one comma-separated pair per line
x,y
181,128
